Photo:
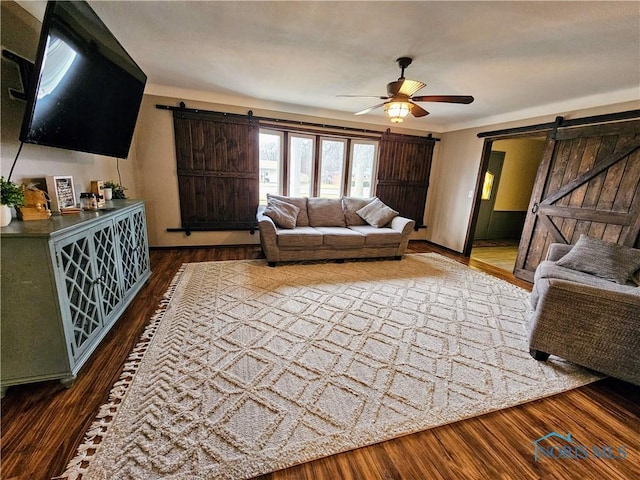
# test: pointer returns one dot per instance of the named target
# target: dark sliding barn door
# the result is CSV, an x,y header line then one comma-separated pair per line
x,y
588,182
217,160
404,166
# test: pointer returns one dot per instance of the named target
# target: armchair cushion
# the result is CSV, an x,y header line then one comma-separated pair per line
x,y
611,261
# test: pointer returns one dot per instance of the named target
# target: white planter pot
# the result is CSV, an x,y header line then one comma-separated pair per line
x,y
5,215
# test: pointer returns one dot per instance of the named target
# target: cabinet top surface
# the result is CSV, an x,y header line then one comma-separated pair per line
x,y
58,224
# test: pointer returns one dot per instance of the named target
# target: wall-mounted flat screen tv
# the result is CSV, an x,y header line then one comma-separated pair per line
x,y
85,91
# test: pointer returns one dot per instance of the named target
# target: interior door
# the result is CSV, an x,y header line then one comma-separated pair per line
x,y
488,197
588,182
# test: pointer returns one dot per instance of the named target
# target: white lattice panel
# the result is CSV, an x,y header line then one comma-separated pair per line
x,y
107,265
79,277
127,251
140,229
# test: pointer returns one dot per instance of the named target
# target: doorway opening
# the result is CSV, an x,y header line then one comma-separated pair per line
x,y
505,184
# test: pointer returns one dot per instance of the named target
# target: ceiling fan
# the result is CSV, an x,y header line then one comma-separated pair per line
x,y
400,97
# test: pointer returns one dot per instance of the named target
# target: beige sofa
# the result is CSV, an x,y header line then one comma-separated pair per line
x,y
331,229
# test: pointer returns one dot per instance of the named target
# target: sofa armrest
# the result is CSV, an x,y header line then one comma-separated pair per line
x,y
402,225
557,251
618,295
268,235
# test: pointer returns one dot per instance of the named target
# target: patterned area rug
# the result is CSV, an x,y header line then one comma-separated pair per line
x,y
248,369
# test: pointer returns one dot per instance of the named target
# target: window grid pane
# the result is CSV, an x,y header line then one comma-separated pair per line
x,y
270,160
362,169
300,166
332,168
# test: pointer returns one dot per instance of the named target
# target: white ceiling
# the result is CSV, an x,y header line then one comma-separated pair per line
x,y
518,59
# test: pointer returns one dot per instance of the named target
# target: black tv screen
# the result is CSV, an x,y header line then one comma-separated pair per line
x,y
86,90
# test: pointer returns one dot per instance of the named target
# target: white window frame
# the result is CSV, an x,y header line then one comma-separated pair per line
x,y
374,171
291,136
345,166
316,158
280,134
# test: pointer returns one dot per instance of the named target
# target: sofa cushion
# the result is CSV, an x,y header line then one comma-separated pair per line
x,y
300,202
375,236
611,261
325,212
350,205
341,237
283,214
377,213
299,237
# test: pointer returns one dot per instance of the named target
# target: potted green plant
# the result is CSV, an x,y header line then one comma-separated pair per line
x,y
117,190
11,195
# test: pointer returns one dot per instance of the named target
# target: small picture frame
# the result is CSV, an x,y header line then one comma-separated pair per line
x,y
62,192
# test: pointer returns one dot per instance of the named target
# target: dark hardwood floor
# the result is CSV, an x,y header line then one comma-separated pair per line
x,y
43,423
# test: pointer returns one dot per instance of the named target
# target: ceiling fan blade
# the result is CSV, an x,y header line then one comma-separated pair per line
x,y
466,99
409,87
369,109
364,96
404,86
394,87
418,111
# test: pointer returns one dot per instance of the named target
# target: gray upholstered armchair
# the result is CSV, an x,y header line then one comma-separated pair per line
x,y
585,319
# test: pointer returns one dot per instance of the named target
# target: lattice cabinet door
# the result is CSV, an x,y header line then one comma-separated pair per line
x,y
127,245
107,269
79,292
141,242
132,239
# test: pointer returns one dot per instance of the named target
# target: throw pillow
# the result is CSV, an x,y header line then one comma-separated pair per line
x,y
611,261
283,214
377,214
325,212
300,202
350,205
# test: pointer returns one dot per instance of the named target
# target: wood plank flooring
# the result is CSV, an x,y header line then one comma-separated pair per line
x,y
43,423
503,257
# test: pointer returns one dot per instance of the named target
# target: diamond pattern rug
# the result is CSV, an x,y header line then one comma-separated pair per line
x,y
247,369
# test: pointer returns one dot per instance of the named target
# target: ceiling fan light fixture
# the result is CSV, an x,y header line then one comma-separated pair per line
x,y
397,111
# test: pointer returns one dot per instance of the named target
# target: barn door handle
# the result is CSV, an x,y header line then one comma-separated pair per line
x,y
534,209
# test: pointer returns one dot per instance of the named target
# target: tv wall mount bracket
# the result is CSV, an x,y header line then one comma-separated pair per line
x,y
25,67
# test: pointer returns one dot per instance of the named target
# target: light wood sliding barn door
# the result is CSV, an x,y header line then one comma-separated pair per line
x,y
217,162
404,167
588,182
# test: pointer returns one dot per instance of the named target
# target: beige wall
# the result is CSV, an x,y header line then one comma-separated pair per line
x,y
157,178
20,33
455,170
521,160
